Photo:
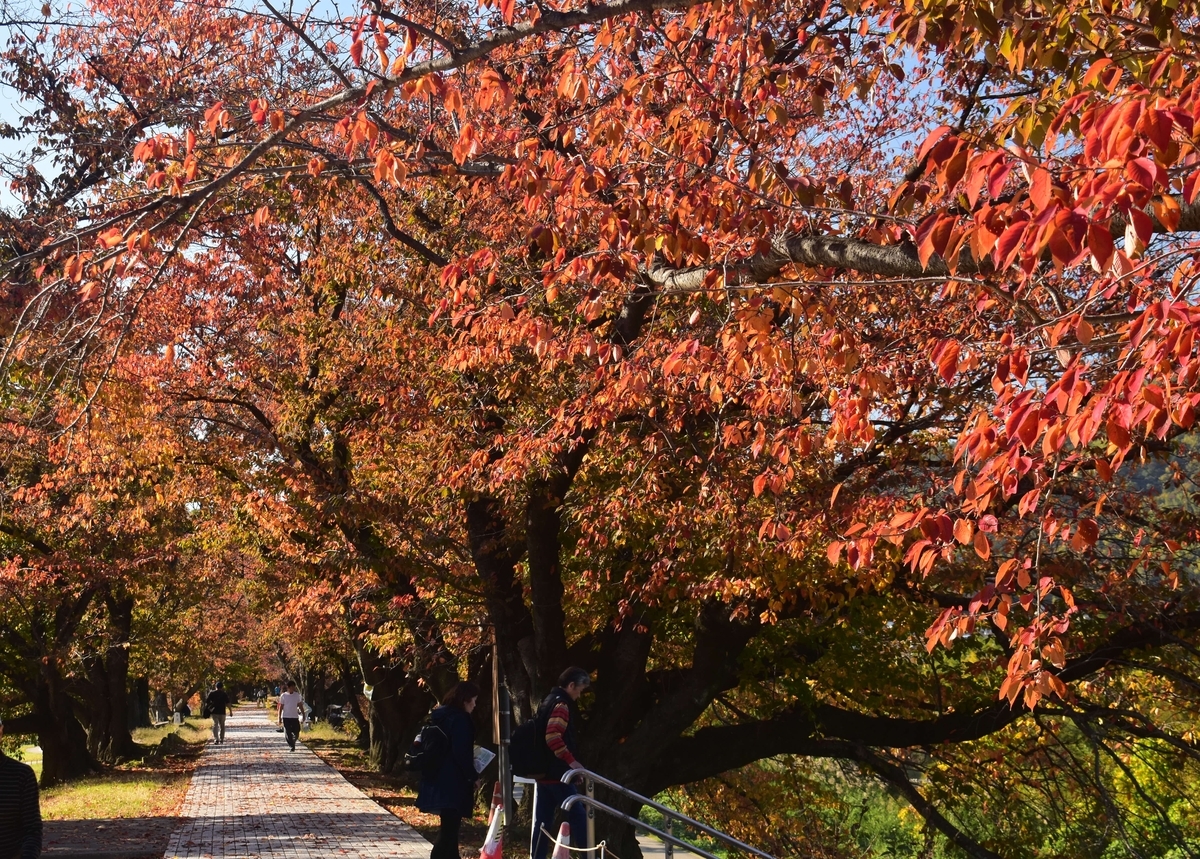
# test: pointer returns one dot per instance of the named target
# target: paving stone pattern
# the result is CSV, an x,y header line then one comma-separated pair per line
x,y
253,797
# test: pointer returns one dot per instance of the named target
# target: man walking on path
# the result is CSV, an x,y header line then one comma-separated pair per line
x,y
217,704
560,716
20,816
289,713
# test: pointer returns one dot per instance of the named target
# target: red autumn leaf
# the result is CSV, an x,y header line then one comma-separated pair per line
x,y
1008,245
1142,171
1041,188
1087,532
1029,428
946,357
1100,243
932,237
1094,70
931,141
1191,187
997,178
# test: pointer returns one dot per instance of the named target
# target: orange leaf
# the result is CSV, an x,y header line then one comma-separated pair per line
x,y
983,548
1086,535
1167,211
963,531
1083,331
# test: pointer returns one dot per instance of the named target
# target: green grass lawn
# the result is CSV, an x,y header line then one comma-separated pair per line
x,y
152,787
148,793
192,730
32,755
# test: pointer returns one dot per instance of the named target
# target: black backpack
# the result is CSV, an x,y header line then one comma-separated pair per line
x,y
527,749
429,748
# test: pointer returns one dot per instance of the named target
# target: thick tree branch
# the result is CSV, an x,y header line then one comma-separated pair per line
x,y
389,224
713,750
848,254
31,540
895,776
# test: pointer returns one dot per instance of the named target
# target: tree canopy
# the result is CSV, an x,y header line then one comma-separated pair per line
x,y
822,376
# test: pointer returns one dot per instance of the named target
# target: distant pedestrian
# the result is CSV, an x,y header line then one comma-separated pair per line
x,y
289,708
560,716
20,816
449,790
217,704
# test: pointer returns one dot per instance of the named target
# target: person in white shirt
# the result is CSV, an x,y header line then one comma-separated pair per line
x,y
290,703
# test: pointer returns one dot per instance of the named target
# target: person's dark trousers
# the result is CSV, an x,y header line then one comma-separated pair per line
x,y
291,730
550,796
446,846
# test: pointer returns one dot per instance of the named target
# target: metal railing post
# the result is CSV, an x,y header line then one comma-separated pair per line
x,y
505,765
668,847
590,787
526,784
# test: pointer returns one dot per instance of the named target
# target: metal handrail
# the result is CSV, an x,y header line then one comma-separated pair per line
x,y
571,775
633,821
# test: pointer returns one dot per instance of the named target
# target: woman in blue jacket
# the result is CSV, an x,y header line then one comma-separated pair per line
x,y
450,790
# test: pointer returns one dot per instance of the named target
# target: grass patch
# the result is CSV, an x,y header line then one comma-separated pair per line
x,y
152,787
188,740
152,736
120,793
32,755
194,731
325,732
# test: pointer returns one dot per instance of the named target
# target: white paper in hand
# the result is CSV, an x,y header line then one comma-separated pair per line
x,y
483,757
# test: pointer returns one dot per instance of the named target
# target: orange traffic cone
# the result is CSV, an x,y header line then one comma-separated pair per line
x,y
562,844
493,845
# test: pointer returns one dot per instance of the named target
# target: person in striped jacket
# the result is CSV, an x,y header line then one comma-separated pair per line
x,y
20,815
560,715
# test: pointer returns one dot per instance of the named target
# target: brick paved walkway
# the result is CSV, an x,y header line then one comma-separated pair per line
x,y
253,797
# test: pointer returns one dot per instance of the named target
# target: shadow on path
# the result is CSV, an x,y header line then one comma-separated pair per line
x,y
119,838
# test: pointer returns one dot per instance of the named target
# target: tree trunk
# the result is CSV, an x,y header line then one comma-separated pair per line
x,y
543,522
398,704
139,704
62,739
95,714
107,689
319,700
496,559
620,838
116,665
364,727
